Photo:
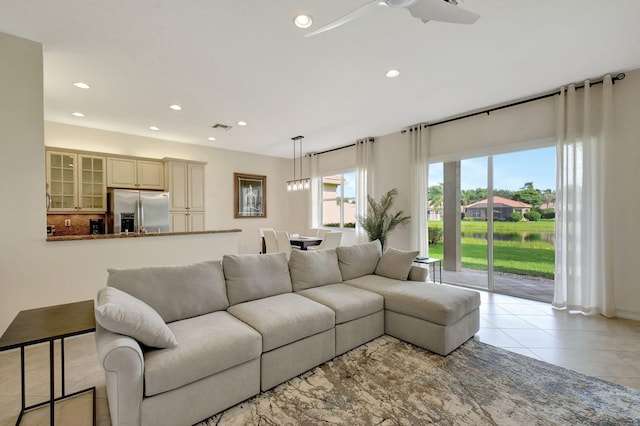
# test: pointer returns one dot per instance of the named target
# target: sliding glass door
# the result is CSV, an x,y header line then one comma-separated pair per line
x,y
503,237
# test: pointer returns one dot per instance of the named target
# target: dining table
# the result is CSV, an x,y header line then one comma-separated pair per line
x,y
303,242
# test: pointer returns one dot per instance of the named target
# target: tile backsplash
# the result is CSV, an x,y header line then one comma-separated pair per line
x,y
78,223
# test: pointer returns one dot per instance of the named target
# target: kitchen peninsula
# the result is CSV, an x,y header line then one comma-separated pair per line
x,y
135,235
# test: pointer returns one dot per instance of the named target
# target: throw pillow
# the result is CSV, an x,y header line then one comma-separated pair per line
x,y
122,313
313,268
395,263
359,259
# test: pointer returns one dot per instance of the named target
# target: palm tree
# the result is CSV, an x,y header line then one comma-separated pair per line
x,y
378,221
548,196
435,197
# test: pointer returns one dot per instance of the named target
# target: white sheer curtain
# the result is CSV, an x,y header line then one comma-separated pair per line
x,y
584,275
315,193
364,181
419,142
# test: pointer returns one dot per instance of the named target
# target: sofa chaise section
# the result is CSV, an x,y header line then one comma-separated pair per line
x,y
297,333
433,316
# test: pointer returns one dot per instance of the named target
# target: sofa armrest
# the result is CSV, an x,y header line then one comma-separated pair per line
x,y
417,273
123,363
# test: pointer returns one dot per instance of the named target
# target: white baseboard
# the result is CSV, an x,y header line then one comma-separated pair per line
x,y
628,314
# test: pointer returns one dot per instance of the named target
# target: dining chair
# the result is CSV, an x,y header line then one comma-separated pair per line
x,y
270,240
262,241
320,233
330,240
284,245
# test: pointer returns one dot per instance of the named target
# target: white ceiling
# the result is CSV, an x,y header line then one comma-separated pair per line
x,y
231,60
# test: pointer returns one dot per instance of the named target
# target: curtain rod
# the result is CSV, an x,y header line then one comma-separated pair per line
x,y
488,111
336,149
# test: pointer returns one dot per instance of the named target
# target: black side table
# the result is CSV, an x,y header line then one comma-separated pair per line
x,y
48,324
431,262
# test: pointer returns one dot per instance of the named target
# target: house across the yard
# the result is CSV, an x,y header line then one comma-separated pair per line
x,y
502,208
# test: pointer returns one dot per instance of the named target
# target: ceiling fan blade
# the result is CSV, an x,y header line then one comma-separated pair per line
x,y
440,10
346,18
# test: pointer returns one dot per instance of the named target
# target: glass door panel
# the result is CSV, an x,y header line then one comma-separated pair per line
x,y
435,211
524,225
475,214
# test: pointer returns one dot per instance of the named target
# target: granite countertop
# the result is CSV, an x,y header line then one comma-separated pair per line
x,y
132,235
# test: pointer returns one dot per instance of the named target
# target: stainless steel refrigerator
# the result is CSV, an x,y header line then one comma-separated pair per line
x,y
133,211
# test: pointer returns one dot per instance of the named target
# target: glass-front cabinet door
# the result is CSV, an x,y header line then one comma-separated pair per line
x,y
61,176
76,182
92,183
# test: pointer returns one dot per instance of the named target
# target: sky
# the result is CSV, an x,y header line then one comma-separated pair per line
x,y
511,171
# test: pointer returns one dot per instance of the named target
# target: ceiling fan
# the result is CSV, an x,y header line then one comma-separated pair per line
x,y
425,10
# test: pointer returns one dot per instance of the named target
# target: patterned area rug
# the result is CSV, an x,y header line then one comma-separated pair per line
x,y
390,382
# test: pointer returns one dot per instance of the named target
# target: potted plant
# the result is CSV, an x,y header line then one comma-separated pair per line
x,y
379,221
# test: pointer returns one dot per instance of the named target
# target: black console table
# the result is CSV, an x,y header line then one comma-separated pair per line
x,y
49,324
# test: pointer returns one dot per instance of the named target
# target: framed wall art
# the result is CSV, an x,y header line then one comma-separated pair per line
x,y
250,196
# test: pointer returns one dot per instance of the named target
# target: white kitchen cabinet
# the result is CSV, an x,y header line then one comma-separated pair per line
x,y
76,183
185,183
135,174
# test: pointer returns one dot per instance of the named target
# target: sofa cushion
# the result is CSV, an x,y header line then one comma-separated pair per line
x,y
255,276
436,303
175,292
359,259
313,268
122,313
396,263
347,302
284,319
208,344
376,283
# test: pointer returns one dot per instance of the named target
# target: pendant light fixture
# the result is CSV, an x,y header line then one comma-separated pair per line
x,y
297,184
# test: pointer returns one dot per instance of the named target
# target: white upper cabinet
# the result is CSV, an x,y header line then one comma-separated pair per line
x,y
135,174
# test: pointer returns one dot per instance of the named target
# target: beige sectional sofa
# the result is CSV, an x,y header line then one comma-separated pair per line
x,y
181,343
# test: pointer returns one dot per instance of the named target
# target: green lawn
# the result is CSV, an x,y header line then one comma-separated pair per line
x,y
533,258
543,225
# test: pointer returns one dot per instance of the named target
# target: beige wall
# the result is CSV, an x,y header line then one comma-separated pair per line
x,y
624,171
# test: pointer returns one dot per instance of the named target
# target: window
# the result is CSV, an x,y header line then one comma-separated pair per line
x,y
339,200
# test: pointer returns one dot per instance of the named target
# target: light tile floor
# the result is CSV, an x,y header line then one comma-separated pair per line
x,y
596,346
592,345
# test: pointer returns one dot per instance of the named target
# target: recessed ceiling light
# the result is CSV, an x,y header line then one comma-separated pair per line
x,y
303,21
77,114
211,138
175,107
81,85
392,73
154,128
242,123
